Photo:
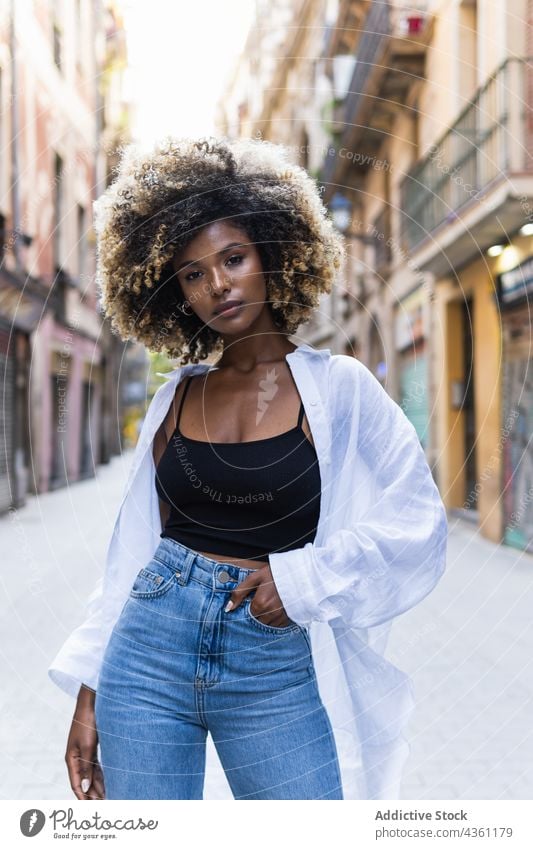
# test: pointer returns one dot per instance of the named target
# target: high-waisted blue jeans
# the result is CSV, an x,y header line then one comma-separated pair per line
x,y
177,666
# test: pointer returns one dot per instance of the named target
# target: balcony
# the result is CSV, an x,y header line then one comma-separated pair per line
x,y
343,37
470,189
390,59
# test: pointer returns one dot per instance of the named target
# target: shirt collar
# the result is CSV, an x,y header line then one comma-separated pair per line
x,y
303,349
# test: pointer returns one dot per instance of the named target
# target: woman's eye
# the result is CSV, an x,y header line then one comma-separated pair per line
x,y
235,259
190,275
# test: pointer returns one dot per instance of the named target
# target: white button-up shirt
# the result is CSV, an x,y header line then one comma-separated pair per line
x,y
380,547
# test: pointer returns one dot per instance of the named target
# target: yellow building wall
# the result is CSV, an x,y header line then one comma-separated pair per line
x,y
476,281
488,394
452,459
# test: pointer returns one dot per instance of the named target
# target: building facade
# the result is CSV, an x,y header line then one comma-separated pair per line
x,y
442,138
58,365
420,114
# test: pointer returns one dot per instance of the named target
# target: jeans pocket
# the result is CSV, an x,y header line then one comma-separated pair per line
x,y
270,629
153,580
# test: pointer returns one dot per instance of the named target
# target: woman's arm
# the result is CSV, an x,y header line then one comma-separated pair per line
x,y
81,756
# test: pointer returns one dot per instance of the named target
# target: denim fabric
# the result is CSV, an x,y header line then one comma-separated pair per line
x,y
177,666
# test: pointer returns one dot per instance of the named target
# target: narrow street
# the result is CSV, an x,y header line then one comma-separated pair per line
x,y
468,646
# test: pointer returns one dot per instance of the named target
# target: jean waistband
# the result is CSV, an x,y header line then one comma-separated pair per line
x,y
189,564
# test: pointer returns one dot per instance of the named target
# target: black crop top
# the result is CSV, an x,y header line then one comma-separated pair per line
x,y
240,499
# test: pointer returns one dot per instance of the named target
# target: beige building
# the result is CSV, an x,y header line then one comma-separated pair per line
x,y
422,114
436,125
60,67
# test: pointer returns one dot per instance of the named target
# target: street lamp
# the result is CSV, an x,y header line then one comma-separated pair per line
x,y
341,211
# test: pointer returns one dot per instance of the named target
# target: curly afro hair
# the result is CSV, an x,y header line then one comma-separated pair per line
x,y
156,206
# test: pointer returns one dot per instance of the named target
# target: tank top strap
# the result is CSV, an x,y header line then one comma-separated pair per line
x,y
301,414
182,400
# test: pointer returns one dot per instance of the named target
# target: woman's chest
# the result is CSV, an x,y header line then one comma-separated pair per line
x,y
224,411
275,472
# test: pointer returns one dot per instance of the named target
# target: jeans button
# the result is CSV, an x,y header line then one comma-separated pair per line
x,y
223,576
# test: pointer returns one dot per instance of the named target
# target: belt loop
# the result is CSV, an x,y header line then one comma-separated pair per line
x,y
184,569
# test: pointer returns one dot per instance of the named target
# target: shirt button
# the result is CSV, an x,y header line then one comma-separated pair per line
x,y
223,576
314,401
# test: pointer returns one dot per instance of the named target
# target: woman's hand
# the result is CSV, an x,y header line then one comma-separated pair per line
x,y
81,754
266,605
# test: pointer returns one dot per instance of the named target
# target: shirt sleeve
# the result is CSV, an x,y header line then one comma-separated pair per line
x,y
373,570
78,661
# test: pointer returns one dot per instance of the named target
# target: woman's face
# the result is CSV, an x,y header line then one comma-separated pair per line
x,y
218,266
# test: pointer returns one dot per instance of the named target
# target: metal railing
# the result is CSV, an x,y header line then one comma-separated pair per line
x,y
492,136
376,30
384,21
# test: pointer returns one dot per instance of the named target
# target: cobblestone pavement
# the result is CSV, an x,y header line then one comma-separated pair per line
x,y
468,646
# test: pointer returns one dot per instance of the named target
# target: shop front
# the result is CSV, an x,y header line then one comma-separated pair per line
x,y
22,304
412,353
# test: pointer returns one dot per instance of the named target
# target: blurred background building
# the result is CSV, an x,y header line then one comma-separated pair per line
x,y
63,114
416,118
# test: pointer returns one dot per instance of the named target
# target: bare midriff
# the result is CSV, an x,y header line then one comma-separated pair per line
x,y
240,562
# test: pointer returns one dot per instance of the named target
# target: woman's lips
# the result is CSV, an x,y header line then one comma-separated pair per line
x,y
230,310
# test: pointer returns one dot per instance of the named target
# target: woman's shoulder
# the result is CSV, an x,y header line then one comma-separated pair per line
x,y
345,370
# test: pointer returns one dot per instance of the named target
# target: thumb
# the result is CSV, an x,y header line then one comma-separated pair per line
x,y
85,784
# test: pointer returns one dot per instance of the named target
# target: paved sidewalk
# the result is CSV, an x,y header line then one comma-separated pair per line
x,y
468,646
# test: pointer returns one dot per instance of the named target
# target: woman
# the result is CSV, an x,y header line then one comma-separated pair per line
x,y
293,499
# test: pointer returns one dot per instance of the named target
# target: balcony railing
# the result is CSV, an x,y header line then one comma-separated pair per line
x,y
390,57
377,29
492,137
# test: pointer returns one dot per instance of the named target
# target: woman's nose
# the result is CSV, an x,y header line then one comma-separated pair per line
x,y
219,280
